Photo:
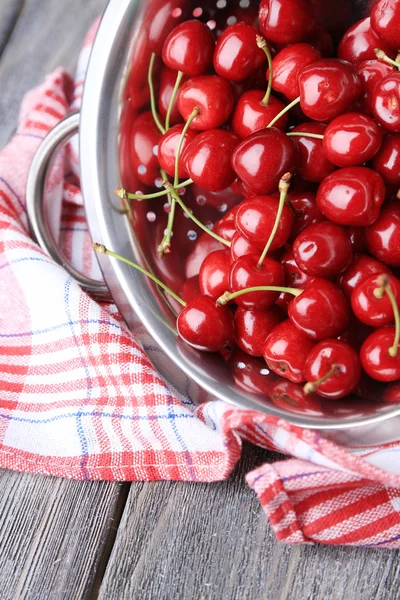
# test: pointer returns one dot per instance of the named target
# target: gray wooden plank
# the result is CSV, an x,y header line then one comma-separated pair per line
x,y
47,34
212,541
9,13
55,535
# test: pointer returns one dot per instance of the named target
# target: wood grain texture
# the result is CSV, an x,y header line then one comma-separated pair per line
x,y
212,542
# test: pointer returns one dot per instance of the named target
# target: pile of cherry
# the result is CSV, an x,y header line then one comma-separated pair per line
x,y
302,271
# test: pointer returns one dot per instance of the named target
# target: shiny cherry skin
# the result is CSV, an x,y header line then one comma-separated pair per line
x,y
190,289
240,246
189,48
212,95
251,115
253,326
245,273
255,220
373,311
306,211
387,161
291,397
391,393
204,325
226,227
167,148
321,311
294,276
261,159
371,72
352,139
287,21
323,249
236,55
352,196
286,350
286,66
362,267
322,358
167,83
328,87
383,237
386,102
359,42
208,159
214,274
145,138
385,20
311,162
356,235
204,245
375,358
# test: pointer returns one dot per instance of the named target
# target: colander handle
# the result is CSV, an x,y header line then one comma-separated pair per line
x,y
35,186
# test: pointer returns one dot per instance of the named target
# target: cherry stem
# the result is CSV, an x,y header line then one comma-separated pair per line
x,y
101,249
165,245
384,287
228,296
171,102
171,190
152,97
285,110
311,387
193,115
317,136
380,54
262,43
284,185
125,195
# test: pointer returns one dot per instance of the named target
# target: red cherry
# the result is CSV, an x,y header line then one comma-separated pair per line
x,y
261,159
371,72
286,21
189,48
246,273
359,43
208,159
352,196
369,309
291,396
356,333
214,274
321,311
145,137
386,102
385,20
159,20
255,220
286,66
251,374
387,161
251,115
337,358
391,393
190,289
167,149
236,54
383,236
167,83
362,267
328,87
286,350
321,39
323,249
356,235
212,95
306,211
352,139
226,227
253,326
294,276
375,358
312,163
241,246
204,325
205,244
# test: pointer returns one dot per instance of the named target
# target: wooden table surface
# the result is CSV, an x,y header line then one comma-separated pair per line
x,y
62,539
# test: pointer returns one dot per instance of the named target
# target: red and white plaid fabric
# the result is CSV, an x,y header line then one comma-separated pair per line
x,y
79,396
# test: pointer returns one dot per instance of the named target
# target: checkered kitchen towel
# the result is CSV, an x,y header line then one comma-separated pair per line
x,y
79,396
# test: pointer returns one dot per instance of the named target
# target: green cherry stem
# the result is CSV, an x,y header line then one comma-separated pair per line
x,y
228,296
311,387
152,97
284,185
125,195
317,136
380,55
165,245
285,110
262,43
384,288
171,102
171,190
194,114
101,249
